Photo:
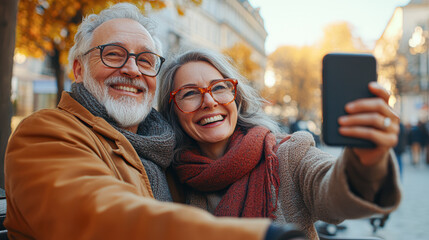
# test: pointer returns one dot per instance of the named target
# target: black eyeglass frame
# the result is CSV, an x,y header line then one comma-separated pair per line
x,y
101,47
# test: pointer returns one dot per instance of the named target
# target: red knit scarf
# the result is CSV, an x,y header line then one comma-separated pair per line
x,y
249,171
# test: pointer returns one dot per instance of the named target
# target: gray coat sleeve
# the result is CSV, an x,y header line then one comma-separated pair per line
x,y
315,185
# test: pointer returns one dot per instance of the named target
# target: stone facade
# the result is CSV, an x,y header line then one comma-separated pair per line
x,y
403,60
215,24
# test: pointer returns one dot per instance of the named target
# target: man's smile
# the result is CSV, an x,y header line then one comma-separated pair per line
x,y
127,88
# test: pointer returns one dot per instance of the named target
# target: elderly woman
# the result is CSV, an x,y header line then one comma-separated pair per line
x,y
229,158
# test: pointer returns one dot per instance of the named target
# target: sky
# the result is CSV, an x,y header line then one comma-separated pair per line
x,y
301,22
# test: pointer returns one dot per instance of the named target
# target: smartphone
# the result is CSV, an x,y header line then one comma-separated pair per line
x,y
345,78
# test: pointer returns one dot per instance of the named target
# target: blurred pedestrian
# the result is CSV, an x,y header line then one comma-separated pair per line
x,y
417,142
425,127
298,125
301,125
401,146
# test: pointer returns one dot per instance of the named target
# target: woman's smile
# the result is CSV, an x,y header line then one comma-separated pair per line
x,y
210,120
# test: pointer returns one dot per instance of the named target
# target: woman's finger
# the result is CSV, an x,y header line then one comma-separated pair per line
x,y
378,137
379,91
372,119
367,105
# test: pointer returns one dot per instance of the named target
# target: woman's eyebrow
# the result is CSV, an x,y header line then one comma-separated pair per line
x,y
195,85
189,85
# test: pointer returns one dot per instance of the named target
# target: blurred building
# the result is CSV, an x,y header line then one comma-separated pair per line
x,y
33,85
216,25
403,60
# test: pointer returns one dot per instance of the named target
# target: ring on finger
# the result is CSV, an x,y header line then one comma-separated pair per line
x,y
386,122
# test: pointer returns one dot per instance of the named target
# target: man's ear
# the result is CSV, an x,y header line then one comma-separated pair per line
x,y
78,71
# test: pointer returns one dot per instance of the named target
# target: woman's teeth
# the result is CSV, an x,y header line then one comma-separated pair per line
x,y
206,121
125,88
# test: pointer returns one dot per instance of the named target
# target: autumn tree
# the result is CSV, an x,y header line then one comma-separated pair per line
x,y
8,10
46,28
339,37
297,71
241,56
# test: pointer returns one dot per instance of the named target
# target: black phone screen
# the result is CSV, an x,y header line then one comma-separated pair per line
x,y
345,78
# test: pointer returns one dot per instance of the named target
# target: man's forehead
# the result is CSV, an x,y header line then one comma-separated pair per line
x,y
122,31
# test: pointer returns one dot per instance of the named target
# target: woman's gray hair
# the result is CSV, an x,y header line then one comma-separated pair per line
x,y
249,102
83,37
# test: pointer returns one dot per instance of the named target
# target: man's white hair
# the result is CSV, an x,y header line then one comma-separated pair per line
x,y
84,35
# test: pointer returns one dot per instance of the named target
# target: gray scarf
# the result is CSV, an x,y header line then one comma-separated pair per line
x,y
154,141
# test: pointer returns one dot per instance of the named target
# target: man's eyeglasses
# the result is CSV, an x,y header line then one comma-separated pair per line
x,y
190,99
115,56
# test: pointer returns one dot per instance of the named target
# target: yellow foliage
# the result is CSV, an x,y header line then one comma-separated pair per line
x,y
338,37
297,71
180,10
157,4
241,56
45,25
182,5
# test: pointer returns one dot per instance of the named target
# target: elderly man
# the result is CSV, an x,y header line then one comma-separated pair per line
x,y
95,167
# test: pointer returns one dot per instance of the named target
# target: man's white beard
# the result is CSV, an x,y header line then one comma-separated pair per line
x,y
126,111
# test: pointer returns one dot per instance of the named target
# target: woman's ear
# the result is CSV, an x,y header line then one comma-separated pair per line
x,y
78,71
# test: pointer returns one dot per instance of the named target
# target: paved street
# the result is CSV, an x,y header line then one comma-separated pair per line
x,y
411,220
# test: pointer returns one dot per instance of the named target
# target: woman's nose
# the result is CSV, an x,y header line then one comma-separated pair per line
x,y
208,101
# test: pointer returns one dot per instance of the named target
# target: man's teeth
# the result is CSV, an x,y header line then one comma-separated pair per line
x,y
211,119
125,88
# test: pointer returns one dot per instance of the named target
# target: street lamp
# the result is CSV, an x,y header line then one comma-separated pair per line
x,y
418,44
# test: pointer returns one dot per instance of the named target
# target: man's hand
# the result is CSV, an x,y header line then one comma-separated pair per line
x,y
284,232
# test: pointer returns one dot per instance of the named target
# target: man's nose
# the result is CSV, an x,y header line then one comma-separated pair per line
x,y
130,68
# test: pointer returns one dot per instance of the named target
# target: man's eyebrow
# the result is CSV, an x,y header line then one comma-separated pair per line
x,y
145,49
115,43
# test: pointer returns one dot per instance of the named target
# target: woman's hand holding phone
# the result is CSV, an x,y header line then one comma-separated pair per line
x,y
374,120
355,107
